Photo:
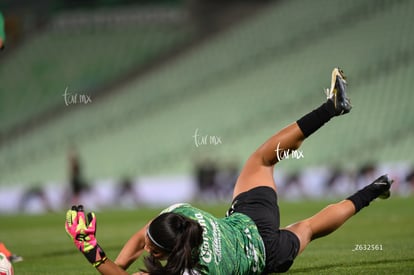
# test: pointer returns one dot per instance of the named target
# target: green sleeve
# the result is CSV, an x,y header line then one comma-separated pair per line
x,y
2,32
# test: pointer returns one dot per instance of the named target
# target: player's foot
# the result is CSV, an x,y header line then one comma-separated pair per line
x,y
337,92
382,186
15,258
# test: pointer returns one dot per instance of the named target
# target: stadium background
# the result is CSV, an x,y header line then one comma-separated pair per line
x,y
149,92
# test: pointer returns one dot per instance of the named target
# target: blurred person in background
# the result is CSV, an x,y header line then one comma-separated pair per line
x,y
366,173
34,200
410,181
293,187
339,182
205,174
77,184
126,193
225,180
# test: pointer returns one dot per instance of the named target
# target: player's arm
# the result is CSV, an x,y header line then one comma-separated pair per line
x,y
132,249
110,268
81,229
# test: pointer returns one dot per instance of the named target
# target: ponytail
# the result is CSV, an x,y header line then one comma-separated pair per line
x,y
178,237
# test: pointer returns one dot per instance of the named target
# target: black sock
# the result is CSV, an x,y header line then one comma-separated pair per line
x,y
363,197
314,120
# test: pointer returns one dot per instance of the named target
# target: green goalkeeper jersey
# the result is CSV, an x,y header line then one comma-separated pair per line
x,y
231,245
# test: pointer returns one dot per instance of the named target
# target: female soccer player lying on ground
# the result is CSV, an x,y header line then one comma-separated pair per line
x,y
249,240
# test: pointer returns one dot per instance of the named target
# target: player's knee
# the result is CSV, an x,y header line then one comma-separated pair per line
x,y
306,229
303,231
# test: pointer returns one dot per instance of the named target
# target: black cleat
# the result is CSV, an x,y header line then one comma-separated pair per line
x,y
337,92
382,185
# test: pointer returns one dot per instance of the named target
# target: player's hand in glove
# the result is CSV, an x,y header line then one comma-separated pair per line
x,y
82,231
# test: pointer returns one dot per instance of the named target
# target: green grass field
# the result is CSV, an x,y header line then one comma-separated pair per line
x,y
46,249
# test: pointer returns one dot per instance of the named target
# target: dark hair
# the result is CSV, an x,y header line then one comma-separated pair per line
x,y
180,238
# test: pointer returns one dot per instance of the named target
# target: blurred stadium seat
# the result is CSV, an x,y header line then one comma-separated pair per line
x,y
84,52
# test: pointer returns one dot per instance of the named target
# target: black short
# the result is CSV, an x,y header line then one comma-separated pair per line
x,y
282,246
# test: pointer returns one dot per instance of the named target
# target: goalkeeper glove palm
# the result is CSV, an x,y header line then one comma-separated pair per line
x,y
82,231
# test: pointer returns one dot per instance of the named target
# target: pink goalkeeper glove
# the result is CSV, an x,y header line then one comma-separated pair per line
x,y
82,231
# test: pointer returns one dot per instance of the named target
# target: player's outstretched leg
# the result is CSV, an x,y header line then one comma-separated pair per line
x,y
258,170
337,104
333,216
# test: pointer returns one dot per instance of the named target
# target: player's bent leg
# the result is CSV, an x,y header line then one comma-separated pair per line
x,y
258,170
323,223
335,215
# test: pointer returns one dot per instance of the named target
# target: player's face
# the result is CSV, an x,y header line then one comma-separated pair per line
x,y
153,249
